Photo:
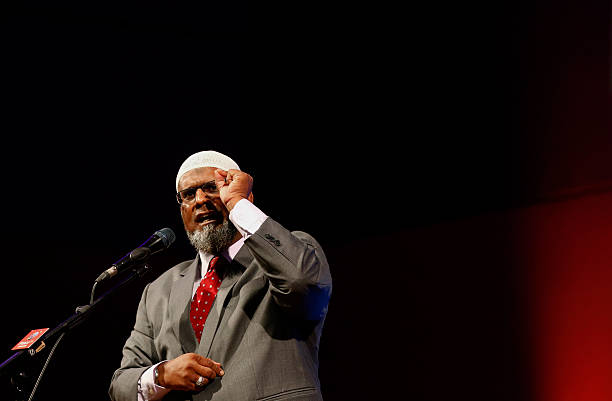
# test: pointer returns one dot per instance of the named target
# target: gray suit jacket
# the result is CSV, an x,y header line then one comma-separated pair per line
x,y
264,327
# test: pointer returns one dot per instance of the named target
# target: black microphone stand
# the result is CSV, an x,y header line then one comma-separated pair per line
x,y
18,380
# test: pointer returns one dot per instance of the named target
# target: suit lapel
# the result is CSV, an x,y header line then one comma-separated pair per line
x,y
180,303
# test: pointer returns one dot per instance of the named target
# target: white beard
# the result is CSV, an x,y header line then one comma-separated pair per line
x,y
213,239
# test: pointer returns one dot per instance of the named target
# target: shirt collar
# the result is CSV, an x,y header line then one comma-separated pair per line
x,y
228,253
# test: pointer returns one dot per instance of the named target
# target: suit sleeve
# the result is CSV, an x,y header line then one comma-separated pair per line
x,y
138,355
296,267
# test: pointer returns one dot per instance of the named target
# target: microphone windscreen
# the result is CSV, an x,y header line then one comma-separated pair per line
x,y
167,236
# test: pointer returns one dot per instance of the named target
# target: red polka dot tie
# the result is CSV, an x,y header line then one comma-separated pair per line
x,y
204,297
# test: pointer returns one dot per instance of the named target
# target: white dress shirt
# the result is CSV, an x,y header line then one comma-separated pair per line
x,y
247,218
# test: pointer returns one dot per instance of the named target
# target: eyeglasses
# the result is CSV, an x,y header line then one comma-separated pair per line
x,y
188,195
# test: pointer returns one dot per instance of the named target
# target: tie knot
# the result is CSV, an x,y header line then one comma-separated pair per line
x,y
215,261
216,264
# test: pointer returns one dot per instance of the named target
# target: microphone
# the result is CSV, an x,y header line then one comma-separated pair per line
x,y
157,242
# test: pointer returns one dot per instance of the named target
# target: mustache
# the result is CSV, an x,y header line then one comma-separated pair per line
x,y
211,215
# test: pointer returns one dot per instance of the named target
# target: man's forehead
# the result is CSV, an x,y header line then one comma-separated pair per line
x,y
197,176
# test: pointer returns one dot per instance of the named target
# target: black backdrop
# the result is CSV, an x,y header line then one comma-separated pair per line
x,y
362,125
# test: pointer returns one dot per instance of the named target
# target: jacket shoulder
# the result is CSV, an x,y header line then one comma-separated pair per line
x,y
165,280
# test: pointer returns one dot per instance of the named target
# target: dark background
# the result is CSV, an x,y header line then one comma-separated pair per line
x,y
398,138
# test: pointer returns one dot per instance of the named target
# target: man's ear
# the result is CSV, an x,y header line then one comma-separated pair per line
x,y
250,197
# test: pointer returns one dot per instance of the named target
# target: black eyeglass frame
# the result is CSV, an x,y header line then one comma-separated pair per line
x,y
209,188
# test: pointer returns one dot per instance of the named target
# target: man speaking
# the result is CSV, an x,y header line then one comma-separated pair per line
x,y
241,321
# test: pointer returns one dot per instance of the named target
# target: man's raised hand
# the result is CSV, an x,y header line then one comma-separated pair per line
x,y
233,186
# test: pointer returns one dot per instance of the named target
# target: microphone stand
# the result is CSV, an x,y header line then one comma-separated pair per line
x,y
81,314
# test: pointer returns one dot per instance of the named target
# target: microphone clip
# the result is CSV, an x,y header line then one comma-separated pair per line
x,y
135,258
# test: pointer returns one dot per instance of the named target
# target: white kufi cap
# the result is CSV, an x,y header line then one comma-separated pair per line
x,y
206,158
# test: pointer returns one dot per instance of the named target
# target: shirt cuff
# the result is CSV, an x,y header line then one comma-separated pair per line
x,y
147,389
247,217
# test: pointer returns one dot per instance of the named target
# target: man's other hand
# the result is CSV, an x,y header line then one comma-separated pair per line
x,y
183,372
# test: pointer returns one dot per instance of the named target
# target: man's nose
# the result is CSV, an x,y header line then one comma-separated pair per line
x,y
201,196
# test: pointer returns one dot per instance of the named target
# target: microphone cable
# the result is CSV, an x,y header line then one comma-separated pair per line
x,y
45,366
